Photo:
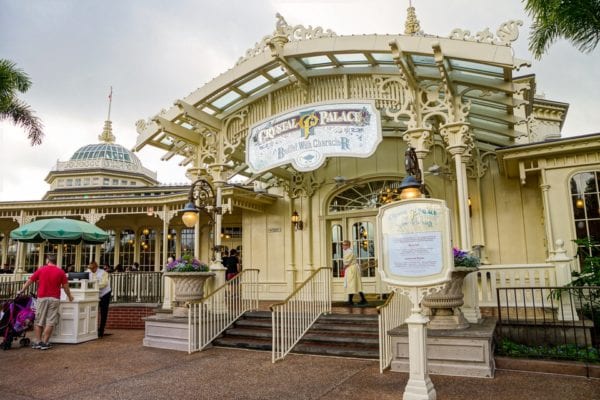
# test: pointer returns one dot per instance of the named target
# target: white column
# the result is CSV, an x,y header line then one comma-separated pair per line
x,y
547,217
4,249
290,272
562,267
217,265
419,385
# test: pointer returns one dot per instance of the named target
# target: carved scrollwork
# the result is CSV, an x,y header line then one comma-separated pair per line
x,y
208,148
293,34
235,131
302,184
394,97
507,32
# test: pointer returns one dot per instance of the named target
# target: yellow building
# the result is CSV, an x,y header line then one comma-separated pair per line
x,y
317,124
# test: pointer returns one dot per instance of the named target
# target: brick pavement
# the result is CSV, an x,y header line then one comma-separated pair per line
x,y
119,367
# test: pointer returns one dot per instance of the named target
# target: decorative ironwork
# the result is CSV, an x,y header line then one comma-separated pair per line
x,y
292,33
505,34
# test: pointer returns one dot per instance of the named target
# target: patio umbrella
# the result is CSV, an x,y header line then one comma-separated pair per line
x,y
59,230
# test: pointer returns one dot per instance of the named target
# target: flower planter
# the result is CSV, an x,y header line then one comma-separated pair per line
x,y
188,286
445,305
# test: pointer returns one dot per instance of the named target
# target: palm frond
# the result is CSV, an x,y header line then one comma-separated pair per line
x,y
21,114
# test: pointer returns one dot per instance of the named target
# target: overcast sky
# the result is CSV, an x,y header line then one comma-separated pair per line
x,y
156,51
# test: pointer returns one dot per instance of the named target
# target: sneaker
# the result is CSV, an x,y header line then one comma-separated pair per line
x,y
45,346
36,346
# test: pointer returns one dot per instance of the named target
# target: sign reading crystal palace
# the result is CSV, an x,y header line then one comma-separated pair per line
x,y
308,135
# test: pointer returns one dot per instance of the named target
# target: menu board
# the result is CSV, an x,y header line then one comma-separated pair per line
x,y
414,247
415,254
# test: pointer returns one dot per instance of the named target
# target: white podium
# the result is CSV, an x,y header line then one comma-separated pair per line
x,y
78,320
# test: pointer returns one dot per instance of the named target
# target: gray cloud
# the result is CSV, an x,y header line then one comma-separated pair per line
x,y
155,51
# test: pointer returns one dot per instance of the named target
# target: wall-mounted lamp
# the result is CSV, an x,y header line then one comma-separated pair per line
x,y
579,203
296,221
145,231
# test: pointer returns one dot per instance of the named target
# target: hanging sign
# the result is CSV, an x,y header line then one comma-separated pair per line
x,y
306,136
415,248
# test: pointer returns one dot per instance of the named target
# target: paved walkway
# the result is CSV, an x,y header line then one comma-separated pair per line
x,y
119,367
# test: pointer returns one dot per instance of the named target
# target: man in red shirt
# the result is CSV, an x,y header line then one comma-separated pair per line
x,y
50,279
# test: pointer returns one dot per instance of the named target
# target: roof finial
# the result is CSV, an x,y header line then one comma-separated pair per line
x,y
411,26
107,135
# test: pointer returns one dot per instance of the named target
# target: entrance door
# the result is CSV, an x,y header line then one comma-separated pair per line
x,y
361,233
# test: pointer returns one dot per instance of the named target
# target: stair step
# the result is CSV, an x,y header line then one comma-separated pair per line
x,y
258,314
339,351
246,322
244,343
339,339
358,328
362,318
260,333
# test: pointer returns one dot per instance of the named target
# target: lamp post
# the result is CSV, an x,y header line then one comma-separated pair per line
x,y
202,197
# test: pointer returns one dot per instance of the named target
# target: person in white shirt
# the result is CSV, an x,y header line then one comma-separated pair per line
x,y
100,275
352,279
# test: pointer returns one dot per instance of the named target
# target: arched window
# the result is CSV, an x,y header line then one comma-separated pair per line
x,y
365,195
585,196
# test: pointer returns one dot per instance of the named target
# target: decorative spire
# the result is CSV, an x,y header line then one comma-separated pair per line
x,y
107,135
411,26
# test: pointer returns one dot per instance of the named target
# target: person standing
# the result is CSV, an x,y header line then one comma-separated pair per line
x,y
352,279
232,263
51,278
100,275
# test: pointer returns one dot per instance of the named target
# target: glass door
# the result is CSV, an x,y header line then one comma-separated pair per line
x,y
361,233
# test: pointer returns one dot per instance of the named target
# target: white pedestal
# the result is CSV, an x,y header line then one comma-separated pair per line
x,y
78,318
419,386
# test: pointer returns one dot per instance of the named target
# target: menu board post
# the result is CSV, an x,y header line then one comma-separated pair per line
x,y
415,256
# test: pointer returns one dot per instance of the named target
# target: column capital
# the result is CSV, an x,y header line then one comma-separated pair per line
x,y
458,137
420,139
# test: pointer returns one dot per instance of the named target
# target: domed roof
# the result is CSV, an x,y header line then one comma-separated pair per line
x,y
106,151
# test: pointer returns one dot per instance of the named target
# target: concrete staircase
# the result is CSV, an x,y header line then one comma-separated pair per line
x,y
340,335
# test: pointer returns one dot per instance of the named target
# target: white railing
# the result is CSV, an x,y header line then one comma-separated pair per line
x,y
391,314
491,277
136,287
296,314
209,317
7,278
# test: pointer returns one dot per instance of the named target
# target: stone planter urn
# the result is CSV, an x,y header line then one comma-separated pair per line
x,y
445,305
188,286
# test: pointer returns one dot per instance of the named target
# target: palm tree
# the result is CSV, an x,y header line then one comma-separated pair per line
x,y
13,80
575,20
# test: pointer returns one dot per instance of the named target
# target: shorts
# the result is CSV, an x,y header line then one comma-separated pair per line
x,y
46,313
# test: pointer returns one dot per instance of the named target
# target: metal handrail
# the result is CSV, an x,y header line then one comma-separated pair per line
x,y
294,316
391,314
212,315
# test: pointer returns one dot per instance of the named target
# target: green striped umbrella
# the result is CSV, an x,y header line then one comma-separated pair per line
x,y
59,230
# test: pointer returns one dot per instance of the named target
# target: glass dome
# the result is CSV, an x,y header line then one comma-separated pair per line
x,y
106,151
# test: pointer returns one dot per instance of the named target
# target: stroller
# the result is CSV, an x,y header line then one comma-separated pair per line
x,y
16,318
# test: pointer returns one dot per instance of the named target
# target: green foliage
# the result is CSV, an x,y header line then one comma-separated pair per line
x,y
13,80
465,259
564,352
577,21
590,263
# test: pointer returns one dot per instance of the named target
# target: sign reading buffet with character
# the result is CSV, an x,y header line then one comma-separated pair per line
x,y
306,136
